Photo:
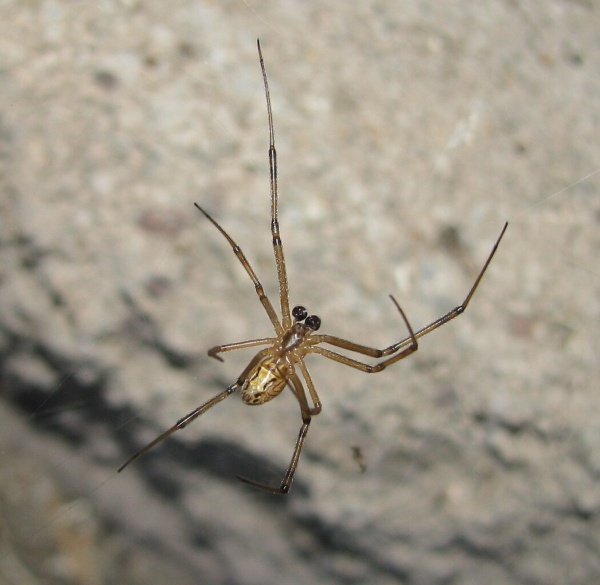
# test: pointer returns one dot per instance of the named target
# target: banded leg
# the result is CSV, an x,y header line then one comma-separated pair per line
x,y
266,303
286,482
194,414
369,351
317,407
277,245
213,351
183,422
374,352
462,307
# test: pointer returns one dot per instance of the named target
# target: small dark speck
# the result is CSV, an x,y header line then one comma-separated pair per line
x,y
158,286
450,239
30,255
359,457
150,61
575,59
106,80
187,50
520,147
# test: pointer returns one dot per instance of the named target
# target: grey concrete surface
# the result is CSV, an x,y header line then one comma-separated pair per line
x,y
407,133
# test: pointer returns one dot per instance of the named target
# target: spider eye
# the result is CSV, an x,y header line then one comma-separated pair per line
x,y
313,322
299,313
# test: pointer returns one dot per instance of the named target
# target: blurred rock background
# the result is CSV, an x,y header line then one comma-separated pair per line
x,y
407,133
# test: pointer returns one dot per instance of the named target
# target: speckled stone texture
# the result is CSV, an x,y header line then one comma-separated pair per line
x,y
407,133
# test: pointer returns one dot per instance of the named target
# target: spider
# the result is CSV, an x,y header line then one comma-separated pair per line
x,y
281,363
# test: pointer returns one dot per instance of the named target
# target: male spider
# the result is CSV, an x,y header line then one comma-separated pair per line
x,y
274,368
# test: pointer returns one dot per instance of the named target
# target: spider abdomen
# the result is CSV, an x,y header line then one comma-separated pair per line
x,y
266,381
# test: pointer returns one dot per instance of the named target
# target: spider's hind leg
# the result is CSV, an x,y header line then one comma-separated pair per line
x,y
183,422
286,482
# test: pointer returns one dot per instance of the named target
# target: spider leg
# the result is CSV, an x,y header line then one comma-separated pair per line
x,y
461,308
317,407
183,422
266,303
408,341
213,351
286,482
277,245
369,351
194,414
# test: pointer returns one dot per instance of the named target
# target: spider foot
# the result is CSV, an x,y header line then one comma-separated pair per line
x,y
282,489
213,351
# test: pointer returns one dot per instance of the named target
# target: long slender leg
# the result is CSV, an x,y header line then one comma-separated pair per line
x,y
370,369
194,414
374,352
286,482
317,406
461,308
183,422
266,303
277,246
213,351
369,351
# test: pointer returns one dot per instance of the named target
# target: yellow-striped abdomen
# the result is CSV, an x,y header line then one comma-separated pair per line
x,y
266,381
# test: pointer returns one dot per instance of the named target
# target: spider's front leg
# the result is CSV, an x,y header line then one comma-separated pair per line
x,y
392,350
404,347
214,351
